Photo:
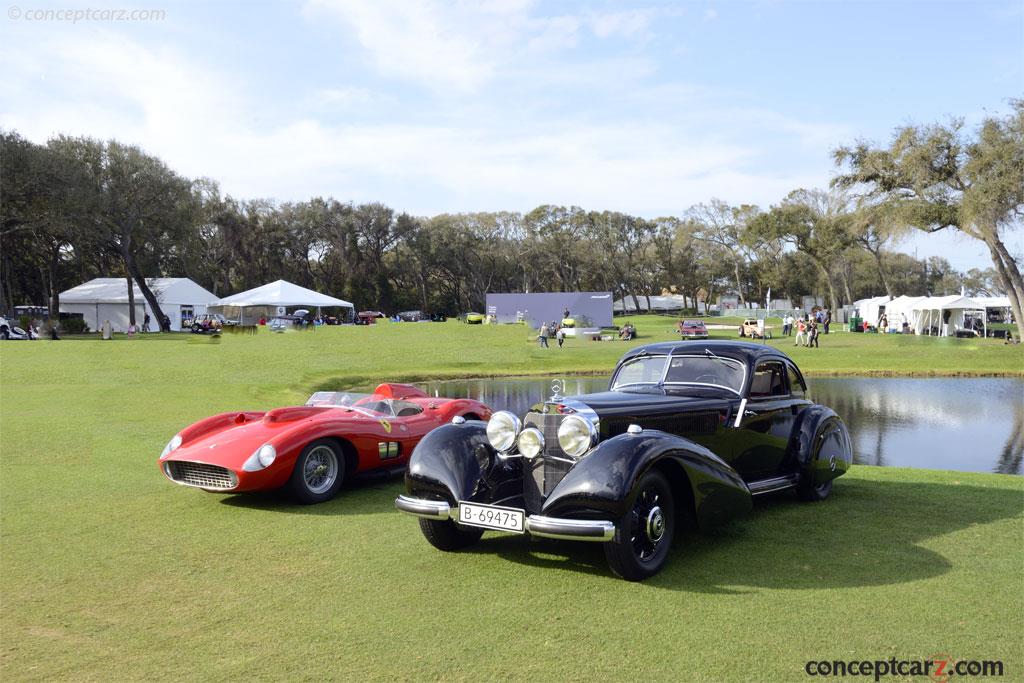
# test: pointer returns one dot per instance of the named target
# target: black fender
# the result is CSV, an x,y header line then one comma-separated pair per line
x,y
452,463
602,483
820,446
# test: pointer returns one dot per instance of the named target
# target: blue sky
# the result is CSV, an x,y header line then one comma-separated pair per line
x,y
507,104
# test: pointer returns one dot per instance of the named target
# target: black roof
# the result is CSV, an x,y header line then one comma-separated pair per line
x,y
745,351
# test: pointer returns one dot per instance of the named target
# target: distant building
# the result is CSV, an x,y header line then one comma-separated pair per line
x,y
551,306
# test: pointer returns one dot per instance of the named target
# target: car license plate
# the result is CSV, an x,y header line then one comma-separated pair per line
x,y
492,517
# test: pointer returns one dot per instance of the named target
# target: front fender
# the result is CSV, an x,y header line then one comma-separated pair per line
x,y
603,482
450,463
821,447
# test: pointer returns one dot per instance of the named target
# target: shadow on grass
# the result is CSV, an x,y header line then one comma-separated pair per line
x,y
372,493
866,534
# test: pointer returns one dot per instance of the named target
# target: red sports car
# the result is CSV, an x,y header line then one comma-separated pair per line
x,y
310,449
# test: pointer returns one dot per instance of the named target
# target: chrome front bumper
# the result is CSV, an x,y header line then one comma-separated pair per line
x,y
536,525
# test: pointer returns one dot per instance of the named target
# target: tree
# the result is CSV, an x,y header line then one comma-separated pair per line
x,y
938,177
816,223
725,226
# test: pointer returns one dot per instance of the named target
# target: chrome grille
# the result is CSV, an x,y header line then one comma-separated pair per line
x,y
545,472
202,475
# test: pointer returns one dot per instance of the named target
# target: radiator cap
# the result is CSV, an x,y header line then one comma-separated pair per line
x,y
634,429
458,420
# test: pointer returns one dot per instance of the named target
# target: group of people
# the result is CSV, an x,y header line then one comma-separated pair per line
x,y
548,330
807,328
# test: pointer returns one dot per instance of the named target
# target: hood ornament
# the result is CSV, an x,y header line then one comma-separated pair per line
x,y
557,387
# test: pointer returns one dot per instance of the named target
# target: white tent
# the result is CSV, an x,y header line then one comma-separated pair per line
x,y
902,309
273,299
106,298
870,310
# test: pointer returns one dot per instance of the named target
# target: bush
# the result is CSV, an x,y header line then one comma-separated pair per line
x,y
73,326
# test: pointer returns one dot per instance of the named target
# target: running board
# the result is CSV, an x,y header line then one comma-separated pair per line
x,y
762,486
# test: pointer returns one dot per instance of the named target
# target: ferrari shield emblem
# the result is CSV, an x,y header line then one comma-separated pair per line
x,y
386,425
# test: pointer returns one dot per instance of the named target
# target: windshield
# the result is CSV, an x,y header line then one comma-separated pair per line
x,y
642,370
707,370
372,405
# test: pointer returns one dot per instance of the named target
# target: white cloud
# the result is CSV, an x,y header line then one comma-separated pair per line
x,y
671,148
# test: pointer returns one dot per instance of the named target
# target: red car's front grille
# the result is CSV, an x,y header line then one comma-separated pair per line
x,y
201,475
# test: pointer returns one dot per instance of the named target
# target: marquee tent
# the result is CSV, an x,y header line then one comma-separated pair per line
x,y
106,298
273,299
870,310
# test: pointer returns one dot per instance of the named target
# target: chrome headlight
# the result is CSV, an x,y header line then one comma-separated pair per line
x,y
261,459
171,446
502,430
531,443
576,435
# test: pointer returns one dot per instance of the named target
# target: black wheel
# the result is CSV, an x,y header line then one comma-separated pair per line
x,y
5,333
644,534
811,493
447,535
318,472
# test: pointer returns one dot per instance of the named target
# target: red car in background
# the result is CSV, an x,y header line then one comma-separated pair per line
x,y
310,450
692,329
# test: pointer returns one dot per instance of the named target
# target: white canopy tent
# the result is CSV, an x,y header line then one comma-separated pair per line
x,y
106,298
273,299
870,310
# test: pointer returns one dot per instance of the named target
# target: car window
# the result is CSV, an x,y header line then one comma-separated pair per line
x,y
710,370
768,380
642,370
796,383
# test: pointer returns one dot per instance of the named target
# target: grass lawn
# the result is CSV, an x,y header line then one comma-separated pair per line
x,y
109,572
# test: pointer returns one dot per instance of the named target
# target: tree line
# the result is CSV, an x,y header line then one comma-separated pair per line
x,y
77,208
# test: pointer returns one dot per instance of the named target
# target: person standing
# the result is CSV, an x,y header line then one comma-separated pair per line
x,y
812,335
787,325
106,331
145,322
560,336
542,338
828,319
801,332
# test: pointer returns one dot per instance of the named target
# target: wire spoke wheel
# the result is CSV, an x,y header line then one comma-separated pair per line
x,y
320,470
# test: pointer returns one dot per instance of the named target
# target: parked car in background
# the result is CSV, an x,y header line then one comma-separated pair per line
x,y
310,450
685,431
754,329
472,318
207,323
693,329
409,316
9,330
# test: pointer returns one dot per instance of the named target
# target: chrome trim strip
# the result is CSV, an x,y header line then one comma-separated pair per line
x,y
739,413
428,509
762,486
570,529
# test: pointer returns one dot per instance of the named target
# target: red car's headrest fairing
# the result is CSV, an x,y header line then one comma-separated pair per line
x,y
398,391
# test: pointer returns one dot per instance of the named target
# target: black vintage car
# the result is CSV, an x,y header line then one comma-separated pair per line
x,y
686,430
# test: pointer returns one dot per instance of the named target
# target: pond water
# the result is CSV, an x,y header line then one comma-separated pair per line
x,y
947,423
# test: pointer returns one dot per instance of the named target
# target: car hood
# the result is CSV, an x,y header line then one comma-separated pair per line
x,y
653,401
231,444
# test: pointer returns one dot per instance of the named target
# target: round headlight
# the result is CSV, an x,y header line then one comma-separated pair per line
x,y
171,445
266,454
576,435
502,430
531,443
